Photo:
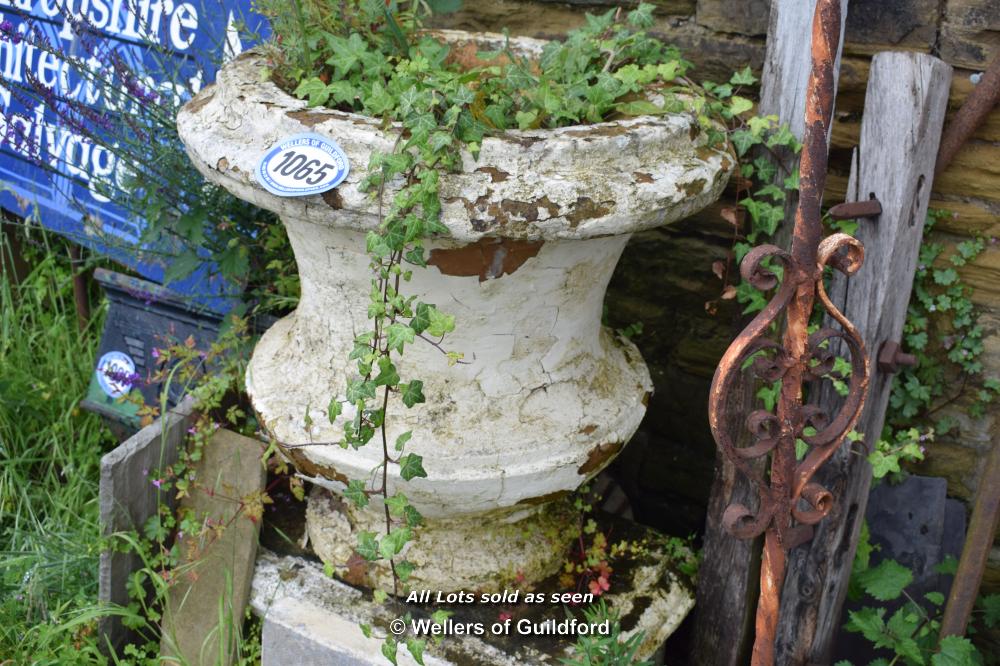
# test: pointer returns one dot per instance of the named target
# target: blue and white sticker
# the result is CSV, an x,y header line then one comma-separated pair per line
x,y
301,165
116,374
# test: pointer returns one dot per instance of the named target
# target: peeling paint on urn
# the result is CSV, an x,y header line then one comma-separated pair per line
x,y
536,225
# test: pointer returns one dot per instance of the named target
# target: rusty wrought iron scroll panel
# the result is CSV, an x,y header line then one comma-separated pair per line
x,y
790,502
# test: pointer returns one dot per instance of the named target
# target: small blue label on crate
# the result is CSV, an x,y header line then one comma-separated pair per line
x,y
116,374
301,165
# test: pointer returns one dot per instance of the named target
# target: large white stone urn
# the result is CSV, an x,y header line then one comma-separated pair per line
x,y
546,397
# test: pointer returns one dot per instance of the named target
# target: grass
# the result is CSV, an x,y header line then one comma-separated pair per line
x,y
50,452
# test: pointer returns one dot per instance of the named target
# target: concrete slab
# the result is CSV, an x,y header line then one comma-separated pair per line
x,y
128,498
204,615
310,618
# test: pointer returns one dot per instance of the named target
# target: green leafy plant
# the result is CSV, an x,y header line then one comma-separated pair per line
x,y
910,633
605,650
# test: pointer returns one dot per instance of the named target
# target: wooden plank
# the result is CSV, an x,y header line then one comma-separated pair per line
x,y
203,617
906,103
728,581
788,61
128,498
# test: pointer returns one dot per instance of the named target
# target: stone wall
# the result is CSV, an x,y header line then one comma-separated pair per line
x,y
666,279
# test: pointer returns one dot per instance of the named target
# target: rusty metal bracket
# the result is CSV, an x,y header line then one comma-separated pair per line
x,y
790,502
854,209
891,357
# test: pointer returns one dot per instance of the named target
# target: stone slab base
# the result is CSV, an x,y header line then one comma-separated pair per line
x,y
480,552
310,618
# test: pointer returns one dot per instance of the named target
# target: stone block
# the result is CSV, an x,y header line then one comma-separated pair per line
x,y
128,498
974,14
970,32
750,17
204,614
886,25
971,48
303,633
310,618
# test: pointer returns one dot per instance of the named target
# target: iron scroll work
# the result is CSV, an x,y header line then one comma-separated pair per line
x,y
790,501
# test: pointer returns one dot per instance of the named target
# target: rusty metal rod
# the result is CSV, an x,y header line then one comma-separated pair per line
x,y
806,236
970,116
982,529
790,502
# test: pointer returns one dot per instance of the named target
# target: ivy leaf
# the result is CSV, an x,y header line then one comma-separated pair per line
x,y
411,465
640,108
886,581
315,90
416,256
403,569
359,389
416,648
403,439
421,318
346,52
744,77
389,649
743,141
439,323
397,504
412,516
398,335
955,651
387,374
883,464
334,409
368,546
441,616
773,191
342,91
394,541
412,393
526,119
739,105
355,492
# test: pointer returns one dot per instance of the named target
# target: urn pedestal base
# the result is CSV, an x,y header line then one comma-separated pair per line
x,y
483,552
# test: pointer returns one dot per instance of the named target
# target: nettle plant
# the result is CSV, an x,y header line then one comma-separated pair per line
x,y
904,627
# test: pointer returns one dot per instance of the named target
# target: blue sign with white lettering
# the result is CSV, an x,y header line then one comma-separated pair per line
x,y
301,165
50,110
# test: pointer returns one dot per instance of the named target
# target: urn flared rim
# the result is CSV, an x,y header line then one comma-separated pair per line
x,y
583,181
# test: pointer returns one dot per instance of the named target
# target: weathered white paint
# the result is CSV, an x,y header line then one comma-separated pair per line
x,y
547,396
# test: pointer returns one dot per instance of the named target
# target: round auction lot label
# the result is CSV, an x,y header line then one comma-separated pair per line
x,y
301,165
115,371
